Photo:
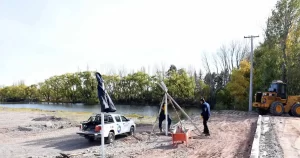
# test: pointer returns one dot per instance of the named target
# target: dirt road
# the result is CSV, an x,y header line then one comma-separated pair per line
x,y
43,134
231,136
288,133
280,137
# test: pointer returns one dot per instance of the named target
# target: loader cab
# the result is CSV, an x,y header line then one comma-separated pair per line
x,y
280,88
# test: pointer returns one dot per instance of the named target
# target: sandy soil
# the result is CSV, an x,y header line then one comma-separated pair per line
x,y
46,134
288,133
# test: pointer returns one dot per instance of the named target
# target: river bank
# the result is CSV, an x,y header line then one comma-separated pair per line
x,y
191,104
148,111
76,117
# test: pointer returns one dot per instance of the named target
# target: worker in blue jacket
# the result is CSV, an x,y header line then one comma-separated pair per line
x,y
205,115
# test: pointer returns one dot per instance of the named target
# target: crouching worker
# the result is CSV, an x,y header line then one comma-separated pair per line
x,y
162,117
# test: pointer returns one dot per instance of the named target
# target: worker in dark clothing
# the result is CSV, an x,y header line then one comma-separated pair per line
x,y
205,115
162,117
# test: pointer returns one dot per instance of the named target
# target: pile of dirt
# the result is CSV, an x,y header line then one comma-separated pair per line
x,y
24,129
47,118
45,123
44,127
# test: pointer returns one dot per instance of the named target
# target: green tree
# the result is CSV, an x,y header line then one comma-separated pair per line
x,y
56,92
88,88
180,85
224,99
293,49
32,93
45,91
266,65
71,83
112,86
285,15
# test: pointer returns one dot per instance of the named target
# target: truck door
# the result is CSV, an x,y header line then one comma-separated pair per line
x,y
126,124
119,125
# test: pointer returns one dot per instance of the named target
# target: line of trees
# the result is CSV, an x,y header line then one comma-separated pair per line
x,y
81,87
277,57
135,88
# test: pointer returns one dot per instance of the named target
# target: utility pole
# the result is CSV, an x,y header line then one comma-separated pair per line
x,y
251,71
166,112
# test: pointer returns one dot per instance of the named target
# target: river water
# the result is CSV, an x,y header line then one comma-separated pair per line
x,y
143,110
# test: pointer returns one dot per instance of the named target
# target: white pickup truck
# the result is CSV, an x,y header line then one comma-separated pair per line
x,y
114,124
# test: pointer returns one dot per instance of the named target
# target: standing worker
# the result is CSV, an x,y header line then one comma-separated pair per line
x,y
162,117
205,115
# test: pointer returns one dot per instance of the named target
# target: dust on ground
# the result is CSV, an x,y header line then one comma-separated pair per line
x,y
47,134
287,130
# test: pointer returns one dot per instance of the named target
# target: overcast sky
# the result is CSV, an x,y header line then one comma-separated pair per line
x,y
42,38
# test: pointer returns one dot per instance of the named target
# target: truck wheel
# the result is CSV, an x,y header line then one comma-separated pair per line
x,y
276,108
296,110
131,132
91,139
111,138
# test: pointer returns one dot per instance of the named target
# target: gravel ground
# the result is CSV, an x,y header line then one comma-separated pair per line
x,y
280,137
269,145
38,134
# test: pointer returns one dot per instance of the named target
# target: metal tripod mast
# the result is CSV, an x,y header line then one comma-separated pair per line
x,y
163,86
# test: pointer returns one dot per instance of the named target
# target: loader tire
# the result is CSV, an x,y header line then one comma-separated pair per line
x,y
262,111
296,110
290,113
276,108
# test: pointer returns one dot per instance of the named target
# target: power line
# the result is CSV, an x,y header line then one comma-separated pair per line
x,y
251,71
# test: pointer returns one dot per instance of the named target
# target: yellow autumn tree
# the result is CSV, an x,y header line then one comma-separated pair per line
x,y
239,85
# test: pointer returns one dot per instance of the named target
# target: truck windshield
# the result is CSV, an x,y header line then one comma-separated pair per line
x,y
273,87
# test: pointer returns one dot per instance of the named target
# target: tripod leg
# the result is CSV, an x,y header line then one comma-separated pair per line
x,y
175,111
184,112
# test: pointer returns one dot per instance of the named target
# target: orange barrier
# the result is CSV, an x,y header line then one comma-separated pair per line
x,y
181,137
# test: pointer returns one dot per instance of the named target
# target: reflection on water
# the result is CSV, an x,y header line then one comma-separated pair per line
x,y
121,109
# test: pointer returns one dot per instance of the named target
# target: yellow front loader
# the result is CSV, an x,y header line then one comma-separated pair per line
x,y
276,101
